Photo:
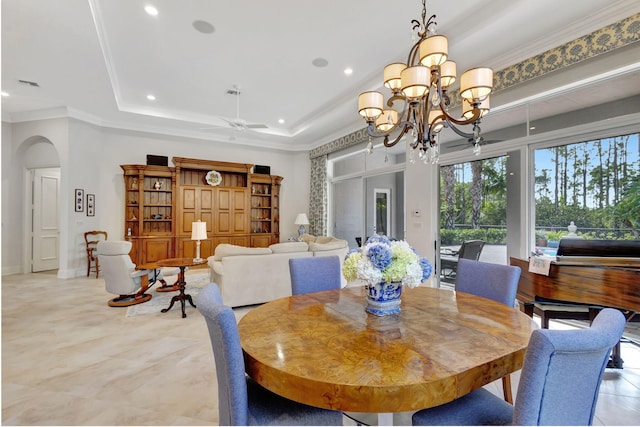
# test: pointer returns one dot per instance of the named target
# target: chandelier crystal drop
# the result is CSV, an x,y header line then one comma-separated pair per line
x,y
419,103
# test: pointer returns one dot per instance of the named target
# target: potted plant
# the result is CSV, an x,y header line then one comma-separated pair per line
x,y
554,238
541,238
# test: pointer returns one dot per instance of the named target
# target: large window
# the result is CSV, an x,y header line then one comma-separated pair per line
x,y
595,184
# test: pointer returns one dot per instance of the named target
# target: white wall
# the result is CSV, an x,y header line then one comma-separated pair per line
x,y
90,158
28,145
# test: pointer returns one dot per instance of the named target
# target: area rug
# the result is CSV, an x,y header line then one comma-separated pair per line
x,y
195,281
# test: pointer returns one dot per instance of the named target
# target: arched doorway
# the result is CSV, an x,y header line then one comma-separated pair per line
x,y
39,160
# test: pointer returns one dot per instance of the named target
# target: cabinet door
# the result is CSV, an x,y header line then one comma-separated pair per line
x,y
230,215
232,240
134,253
196,204
187,248
156,249
261,241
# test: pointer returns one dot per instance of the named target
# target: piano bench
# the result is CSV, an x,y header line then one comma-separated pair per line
x,y
548,311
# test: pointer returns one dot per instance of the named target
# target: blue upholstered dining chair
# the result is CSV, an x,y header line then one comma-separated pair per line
x,y
492,281
559,384
241,401
314,274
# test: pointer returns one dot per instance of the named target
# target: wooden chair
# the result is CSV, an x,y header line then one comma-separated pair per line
x,y
91,239
470,249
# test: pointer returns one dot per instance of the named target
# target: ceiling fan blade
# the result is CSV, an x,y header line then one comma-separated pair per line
x,y
256,126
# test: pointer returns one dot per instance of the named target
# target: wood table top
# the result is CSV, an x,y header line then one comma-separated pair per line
x,y
324,350
179,262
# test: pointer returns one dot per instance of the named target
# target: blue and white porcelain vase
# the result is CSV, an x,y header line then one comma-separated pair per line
x,y
383,298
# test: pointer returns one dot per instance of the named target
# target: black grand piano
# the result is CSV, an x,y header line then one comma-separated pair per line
x,y
593,273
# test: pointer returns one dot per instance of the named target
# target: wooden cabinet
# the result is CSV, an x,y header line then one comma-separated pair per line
x,y
149,209
265,209
161,203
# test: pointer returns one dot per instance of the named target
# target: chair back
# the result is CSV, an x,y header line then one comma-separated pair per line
x,y
116,266
315,274
563,370
227,352
91,239
494,281
471,249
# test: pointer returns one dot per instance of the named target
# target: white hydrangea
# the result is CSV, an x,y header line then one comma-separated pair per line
x,y
368,272
414,275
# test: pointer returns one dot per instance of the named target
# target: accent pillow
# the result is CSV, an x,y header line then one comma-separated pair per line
x,y
307,238
325,239
225,249
336,244
286,247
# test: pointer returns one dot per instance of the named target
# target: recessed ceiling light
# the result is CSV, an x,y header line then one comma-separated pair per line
x,y
151,97
281,121
3,93
151,10
320,62
348,71
203,26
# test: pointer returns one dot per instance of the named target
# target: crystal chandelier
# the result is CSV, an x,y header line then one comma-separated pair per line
x,y
420,87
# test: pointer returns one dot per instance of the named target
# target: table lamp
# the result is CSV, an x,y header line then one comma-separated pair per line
x,y
301,220
198,232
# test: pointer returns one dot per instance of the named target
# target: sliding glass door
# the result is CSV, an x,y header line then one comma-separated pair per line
x,y
473,206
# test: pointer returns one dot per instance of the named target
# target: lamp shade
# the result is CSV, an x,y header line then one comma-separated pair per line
x,y
199,230
392,75
476,83
434,51
447,74
387,120
415,81
467,108
370,105
435,120
302,219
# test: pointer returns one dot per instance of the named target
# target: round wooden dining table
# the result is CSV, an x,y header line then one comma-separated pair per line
x,y
325,350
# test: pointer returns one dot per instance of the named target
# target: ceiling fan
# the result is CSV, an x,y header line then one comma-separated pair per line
x,y
239,123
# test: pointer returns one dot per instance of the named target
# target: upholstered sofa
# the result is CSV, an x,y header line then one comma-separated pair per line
x,y
248,276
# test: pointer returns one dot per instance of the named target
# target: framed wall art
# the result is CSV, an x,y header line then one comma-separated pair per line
x,y
79,200
91,204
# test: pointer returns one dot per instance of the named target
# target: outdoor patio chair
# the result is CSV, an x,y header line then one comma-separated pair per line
x,y
470,249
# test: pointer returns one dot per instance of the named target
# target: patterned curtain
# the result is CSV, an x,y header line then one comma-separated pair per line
x,y
318,197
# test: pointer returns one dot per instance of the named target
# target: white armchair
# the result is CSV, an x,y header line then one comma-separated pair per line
x,y
120,274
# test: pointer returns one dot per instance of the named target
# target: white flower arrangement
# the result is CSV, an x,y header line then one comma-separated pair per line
x,y
382,260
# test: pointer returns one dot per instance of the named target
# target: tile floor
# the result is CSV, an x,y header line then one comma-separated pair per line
x,y
69,359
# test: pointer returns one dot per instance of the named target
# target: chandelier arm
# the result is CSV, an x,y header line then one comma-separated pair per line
x,y
413,53
453,120
388,144
469,136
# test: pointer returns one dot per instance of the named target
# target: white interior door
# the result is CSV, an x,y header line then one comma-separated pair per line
x,y
45,234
